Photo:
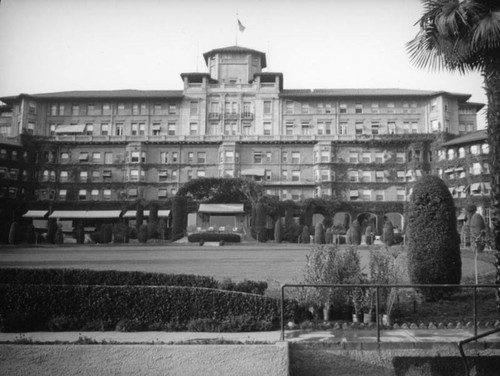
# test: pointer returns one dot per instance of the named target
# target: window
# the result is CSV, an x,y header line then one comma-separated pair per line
x,y
84,156
163,157
189,175
200,173
289,107
190,157
474,149
353,157
400,195
434,105
305,108
406,127
174,156
284,175
82,194
193,108
295,157
172,108
375,128
390,107
461,152
14,174
296,175
289,125
400,158
53,110
359,127
267,128
228,173
229,156
451,154
162,193
325,156
343,128
75,110
366,177
94,193
134,129
156,128
267,107
61,110
119,129
379,176
171,129
64,157
485,148
284,157
343,108
358,108
367,157
62,194
96,175
104,129
477,168
375,108
257,157
379,195
269,156
135,109
83,176
193,129
379,157
367,195
247,128
96,157
134,175
414,127
202,157
324,127
353,176
305,125
162,175
157,108
89,129
135,157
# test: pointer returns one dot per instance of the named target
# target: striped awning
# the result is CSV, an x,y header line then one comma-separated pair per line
x,y
70,129
133,213
71,214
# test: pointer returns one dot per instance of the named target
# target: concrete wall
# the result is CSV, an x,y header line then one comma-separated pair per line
x,y
147,360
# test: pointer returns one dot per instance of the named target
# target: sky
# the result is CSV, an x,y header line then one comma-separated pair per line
x,y
59,45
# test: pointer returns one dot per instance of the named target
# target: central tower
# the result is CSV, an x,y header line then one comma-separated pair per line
x,y
234,65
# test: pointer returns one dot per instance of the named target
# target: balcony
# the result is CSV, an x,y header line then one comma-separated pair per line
x,y
231,116
214,116
247,115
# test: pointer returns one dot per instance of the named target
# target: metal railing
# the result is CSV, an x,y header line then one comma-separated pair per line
x,y
377,298
475,338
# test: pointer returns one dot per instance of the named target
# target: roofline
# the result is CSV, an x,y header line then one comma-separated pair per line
x,y
215,51
301,93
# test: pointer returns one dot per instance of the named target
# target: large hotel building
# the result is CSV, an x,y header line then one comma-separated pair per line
x,y
363,146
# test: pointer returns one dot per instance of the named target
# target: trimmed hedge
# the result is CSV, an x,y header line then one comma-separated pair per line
x,y
102,277
214,237
38,307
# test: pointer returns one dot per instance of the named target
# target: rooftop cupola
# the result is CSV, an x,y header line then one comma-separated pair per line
x,y
236,65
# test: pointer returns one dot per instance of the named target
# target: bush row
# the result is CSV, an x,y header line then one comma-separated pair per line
x,y
122,278
102,277
214,237
46,307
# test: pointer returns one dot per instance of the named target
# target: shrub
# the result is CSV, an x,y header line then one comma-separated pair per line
x,y
79,234
59,237
292,233
433,242
329,236
162,228
179,216
152,229
369,235
106,233
319,234
355,233
278,231
139,216
39,304
388,233
14,233
120,233
142,236
260,222
250,287
306,237
51,231
31,234
477,232
214,237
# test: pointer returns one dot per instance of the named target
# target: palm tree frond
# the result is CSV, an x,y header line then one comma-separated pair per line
x,y
487,31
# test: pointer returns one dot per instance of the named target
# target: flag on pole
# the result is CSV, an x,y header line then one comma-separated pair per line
x,y
240,26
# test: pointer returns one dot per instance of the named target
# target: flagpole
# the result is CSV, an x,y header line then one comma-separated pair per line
x,y
236,30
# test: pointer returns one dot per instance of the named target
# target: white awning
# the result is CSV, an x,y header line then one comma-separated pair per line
x,y
448,171
133,213
459,169
353,193
35,213
487,186
401,174
70,129
221,208
461,217
156,127
452,190
409,173
61,214
418,172
475,187
253,172
379,174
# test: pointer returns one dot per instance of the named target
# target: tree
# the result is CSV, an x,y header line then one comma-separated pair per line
x,y
433,240
464,36
278,231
